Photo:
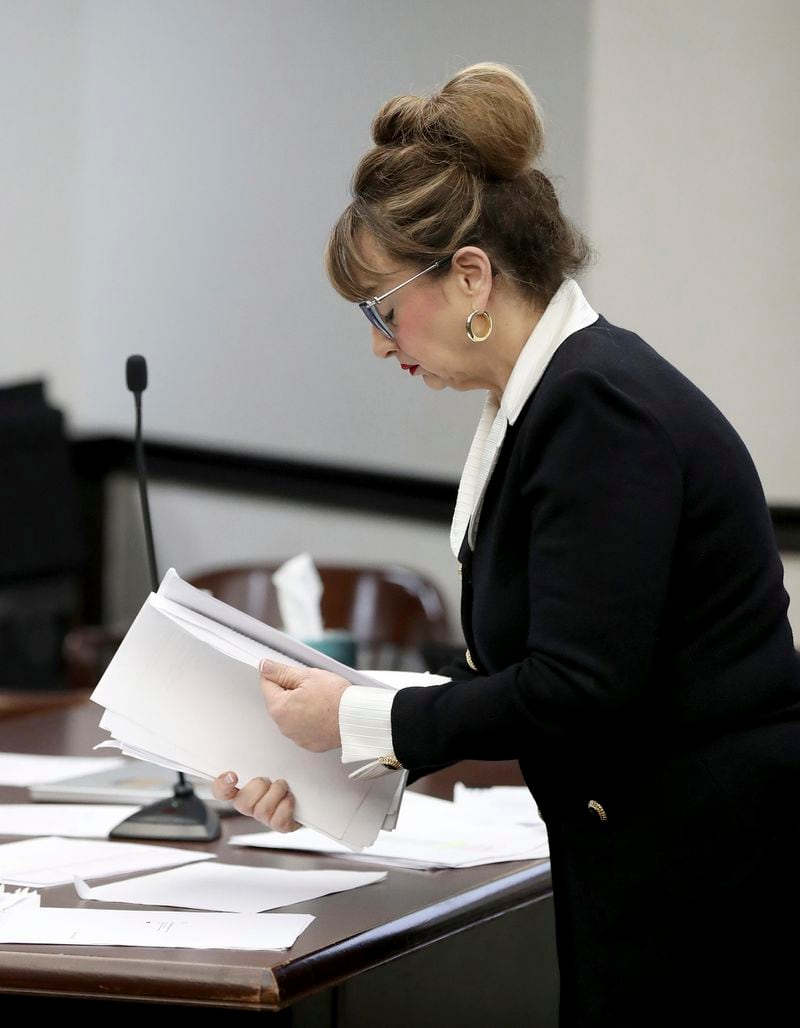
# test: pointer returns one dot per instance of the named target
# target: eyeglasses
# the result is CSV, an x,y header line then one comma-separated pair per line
x,y
370,307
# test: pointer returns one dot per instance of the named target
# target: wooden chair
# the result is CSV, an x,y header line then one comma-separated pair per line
x,y
391,611
18,702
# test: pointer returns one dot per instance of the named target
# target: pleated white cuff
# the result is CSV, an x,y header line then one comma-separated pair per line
x,y
365,723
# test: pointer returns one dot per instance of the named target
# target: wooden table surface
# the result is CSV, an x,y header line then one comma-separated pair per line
x,y
352,931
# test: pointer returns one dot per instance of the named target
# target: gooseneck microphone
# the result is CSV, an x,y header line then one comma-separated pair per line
x,y
136,377
183,816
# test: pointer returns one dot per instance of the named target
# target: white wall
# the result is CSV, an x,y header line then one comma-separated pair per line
x,y
40,155
220,138
219,143
692,171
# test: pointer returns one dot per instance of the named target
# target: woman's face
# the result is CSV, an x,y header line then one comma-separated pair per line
x,y
428,320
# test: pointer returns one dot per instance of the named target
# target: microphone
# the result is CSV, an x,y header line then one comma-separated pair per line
x,y
183,817
136,374
136,377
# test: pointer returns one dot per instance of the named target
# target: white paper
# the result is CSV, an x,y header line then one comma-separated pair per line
x,y
25,769
56,861
81,820
67,926
18,897
403,679
299,590
140,753
230,887
511,802
430,833
189,653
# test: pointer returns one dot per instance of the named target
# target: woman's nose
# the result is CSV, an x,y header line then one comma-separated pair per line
x,y
381,346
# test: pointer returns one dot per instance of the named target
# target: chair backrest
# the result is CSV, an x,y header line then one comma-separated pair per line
x,y
393,613
389,610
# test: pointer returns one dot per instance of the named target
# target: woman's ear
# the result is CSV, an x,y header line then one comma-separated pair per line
x,y
472,275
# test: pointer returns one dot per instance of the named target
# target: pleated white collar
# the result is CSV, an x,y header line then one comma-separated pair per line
x,y
567,313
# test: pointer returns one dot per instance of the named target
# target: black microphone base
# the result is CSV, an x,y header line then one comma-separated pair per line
x,y
176,818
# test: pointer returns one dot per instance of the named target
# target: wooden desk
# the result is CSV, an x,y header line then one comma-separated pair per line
x,y
462,947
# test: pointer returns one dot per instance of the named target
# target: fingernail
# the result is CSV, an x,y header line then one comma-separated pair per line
x,y
267,667
231,778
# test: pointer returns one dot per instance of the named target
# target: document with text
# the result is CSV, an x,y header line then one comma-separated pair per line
x,y
24,920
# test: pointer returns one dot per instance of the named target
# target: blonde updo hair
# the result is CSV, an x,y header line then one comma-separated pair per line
x,y
458,169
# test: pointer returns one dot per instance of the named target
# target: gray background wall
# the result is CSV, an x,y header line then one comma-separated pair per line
x,y
170,171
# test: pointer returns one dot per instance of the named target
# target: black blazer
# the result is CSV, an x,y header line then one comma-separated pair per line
x,y
625,609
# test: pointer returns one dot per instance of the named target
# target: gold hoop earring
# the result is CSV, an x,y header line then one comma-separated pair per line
x,y
470,331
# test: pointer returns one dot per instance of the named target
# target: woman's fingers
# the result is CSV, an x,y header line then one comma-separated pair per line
x,y
264,810
224,786
270,803
250,794
283,818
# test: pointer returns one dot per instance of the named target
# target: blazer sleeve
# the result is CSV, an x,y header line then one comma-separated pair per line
x,y
601,486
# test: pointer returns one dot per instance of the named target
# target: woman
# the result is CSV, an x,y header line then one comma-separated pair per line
x,y
623,600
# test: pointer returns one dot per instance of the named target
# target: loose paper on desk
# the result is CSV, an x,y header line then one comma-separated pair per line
x,y
79,820
231,887
10,898
35,769
29,923
183,690
511,802
430,833
56,861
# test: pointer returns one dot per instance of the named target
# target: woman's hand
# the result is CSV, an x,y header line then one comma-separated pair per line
x,y
268,802
304,704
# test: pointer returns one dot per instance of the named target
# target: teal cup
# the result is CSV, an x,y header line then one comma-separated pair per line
x,y
336,643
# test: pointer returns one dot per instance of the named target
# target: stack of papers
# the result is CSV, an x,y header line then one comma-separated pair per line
x,y
430,833
183,691
53,861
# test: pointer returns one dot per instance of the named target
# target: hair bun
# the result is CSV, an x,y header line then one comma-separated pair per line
x,y
494,112
485,116
400,122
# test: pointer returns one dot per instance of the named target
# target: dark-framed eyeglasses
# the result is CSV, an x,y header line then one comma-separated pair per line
x,y
370,307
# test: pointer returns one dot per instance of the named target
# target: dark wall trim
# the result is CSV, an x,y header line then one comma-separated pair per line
x,y
787,527
372,492
328,485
